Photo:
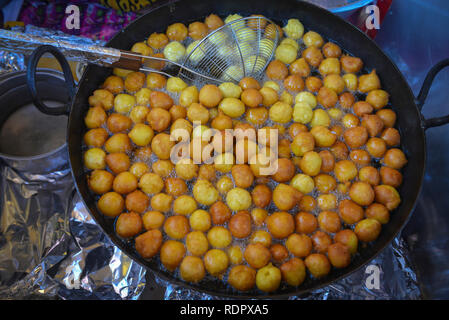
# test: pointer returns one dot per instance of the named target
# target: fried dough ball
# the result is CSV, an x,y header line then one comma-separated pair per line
x,y
303,183
138,114
114,84
157,40
232,107
361,193
161,202
293,271
261,196
280,112
219,237
339,150
160,99
361,108
95,117
339,255
350,212
300,67
249,83
272,29
243,176
351,64
111,204
96,137
220,212
196,112
268,278
156,81
369,175
388,117
329,66
280,224
327,97
285,170
350,121
101,98
151,183
213,22
100,181
348,238
377,98
123,103
329,221
162,168
95,158
320,118
373,124
395,158
303,142
277,70
242,278
224,184
192,269
310,163
252,97
299,245
261,236
197,30
318,265
388,196
391,137
323,136
188,96
313,56
360,157
184,205
171,254
321,241
347,99
141,134
351,81
137,201
149,243
224,162
368,230
327,202
177,32
200,220
331,50
124,183
128,224
257,255
378,212
175,186
134,81
313,84
162,145
327,161
391,177
278,252
259,215
257,116
216,261
235,254
153,220
196,243
294,83
210,95
376,147
176,227
285,197
240,225
204,192
238,199
356,137
369,82
159,119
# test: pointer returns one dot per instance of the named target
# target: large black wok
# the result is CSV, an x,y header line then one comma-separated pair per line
x,y
411,123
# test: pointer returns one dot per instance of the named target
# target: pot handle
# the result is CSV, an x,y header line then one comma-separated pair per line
x,y
31,79
421,99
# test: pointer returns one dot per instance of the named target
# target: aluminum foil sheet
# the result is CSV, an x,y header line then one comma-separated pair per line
x,y
51,248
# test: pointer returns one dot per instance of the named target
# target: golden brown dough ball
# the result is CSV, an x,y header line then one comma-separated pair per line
x,y
124,183
210,95
101,98
204,192
213,22
161,202
296,128
257,116
377,98
339,255
305,222
159,119
196,112
376,147
249,83
197,30
278,252
293,271
176,227
220,213
340,150
161,145
240,224
196,243
221,122
361,108
261,196
171,254
111,204
310,163
151,183
334,82
207,172
95,117
100,181
327,161
257,255
137,201
388,196
350,212
114,84
312,38
153,220
350,121
149,243
268,278
155,81
186,169
351,64
321,241
243,176
134,81
96,137
300,67
369,175
157,40
175,186
118,142
128,224
285,170
162,168
192,269
318,265
219,237
117,122
356,137
378,212
346,100
261,236
360,157
388,117
329,221
242,278
373,124
95,159
251,97
395,158
313,56
238,199
200,220
327,97
391,177
280,224
177,32
160,99
277,70
302,143
391,137
235,254
177,112
313,84
216,261
299,245
323,136
331,50
118,162
294,83
348,238
329,66
368,230
285,197
361,193
369,82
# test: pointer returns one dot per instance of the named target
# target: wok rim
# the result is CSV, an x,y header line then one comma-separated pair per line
x,y
296,291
